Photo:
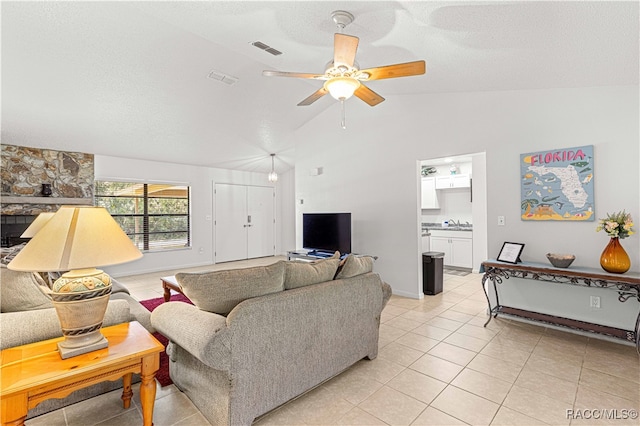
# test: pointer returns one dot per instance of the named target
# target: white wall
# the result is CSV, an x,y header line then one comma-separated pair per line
x,y
370,168
201,181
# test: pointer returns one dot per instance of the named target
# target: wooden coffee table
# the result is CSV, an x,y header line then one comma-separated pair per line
x,y
35,372
168,284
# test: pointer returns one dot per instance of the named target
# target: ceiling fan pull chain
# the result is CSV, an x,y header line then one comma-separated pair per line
x,y
343,121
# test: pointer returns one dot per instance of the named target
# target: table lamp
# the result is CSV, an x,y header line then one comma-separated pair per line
x,y
37,224
77,239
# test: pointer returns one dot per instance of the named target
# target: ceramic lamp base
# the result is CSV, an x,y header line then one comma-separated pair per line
x,y
81,314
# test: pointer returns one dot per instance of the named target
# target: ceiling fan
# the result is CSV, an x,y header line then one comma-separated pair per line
x,y
342,76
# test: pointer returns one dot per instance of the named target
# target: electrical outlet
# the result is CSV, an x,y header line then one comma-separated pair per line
x,y
594,302
500,220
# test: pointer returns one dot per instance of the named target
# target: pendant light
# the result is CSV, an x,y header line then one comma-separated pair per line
x,y
273,176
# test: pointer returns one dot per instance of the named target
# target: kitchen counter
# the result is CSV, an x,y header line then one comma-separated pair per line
x,y
426,227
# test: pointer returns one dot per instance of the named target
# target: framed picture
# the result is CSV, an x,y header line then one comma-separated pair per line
x,y
510,252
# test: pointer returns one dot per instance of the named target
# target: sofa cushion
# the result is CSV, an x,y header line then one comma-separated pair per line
x,y
22,291
355,266
220,291
300,274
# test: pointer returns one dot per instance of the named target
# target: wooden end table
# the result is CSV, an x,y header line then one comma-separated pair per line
x,y
35,372
168,284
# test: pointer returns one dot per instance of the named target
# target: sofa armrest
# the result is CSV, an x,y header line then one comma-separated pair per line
x,y
202,334
386,293
21,328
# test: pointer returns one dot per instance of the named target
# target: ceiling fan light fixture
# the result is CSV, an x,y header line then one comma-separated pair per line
x,y
342,88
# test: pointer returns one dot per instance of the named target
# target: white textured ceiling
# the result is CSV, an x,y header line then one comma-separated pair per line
x,y
130,78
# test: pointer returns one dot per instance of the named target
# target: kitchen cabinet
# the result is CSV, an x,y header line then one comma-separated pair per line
x,y
426,244
453,181
457,247
429,193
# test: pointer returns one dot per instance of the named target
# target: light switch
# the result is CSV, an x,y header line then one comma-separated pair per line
x,y
500,220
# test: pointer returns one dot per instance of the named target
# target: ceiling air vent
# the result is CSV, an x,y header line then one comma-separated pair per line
x,y
266,48
225,78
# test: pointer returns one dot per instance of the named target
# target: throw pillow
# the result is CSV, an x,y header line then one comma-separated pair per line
x,y
355,266
300,274
22,291
220,291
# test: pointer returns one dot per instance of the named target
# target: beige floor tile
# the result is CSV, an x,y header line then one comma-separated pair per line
x,y
437,368
456,316
432,332
545,384
172,408
403,323
468,309
378,369
131,417
400,354
465,406
418,316
392,407
588,397
110,406
389,332
555,367
496,349
615,364
538,406
352,386
466,342
452,353
558,353
508,417
591,402
359,417
54,418
194,420
610,384
482,385
281,416
447,324
503,370
434,417
394,310
319,407
477,332
417,342
417,385
508,342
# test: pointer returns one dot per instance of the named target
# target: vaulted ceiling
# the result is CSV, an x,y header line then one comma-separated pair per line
x,y
132,79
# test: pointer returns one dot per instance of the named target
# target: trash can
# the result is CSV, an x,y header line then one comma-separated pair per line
x,y
432,272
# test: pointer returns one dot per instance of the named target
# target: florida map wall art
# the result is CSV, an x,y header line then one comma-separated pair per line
x,y
557,184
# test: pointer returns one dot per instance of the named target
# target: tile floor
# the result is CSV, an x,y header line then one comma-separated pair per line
x,y
437,365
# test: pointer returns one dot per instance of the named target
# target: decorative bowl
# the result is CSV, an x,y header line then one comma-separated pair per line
x,y
560,260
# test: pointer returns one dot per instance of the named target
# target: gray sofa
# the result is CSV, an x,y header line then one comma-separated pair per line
x,y
28,316
258,337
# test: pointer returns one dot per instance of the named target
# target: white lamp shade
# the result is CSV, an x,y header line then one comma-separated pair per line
x,y
76,237
342,88
37,224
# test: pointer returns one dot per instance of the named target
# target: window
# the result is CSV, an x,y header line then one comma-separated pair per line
x,y
155,216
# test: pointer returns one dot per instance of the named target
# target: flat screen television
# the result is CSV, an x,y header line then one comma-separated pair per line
x,y
327,232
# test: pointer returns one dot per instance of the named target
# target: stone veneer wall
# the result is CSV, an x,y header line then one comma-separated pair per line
x,y
24,170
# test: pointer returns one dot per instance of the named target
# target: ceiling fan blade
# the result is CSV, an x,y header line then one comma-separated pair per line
x,y
314,97
270,73
368,95
344,49
398,70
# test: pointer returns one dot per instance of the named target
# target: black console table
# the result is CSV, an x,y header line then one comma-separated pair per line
x,y
627,285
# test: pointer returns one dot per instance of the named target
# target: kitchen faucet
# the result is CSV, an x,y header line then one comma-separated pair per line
x,y
453,222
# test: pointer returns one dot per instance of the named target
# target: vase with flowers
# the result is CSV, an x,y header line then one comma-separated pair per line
x,y
618,226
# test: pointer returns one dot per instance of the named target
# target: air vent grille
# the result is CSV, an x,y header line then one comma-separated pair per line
x,y
225,78
266,48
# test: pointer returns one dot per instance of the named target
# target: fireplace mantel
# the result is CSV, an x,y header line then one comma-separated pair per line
x,y
46,200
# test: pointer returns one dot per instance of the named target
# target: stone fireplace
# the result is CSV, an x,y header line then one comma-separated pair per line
x,y
25,172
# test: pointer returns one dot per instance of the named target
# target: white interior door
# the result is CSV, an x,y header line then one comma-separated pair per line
x,y
245,222
261,218
230,222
